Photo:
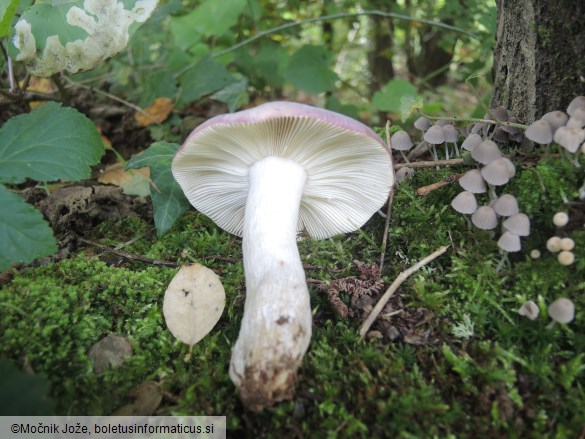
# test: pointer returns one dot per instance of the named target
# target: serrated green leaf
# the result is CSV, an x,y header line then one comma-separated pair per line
x,y
24,234
50,143
206,77
74,35
7,11
234,95
168,200
390,96
310,69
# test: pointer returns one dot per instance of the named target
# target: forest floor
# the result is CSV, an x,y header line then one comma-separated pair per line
x,y
449,357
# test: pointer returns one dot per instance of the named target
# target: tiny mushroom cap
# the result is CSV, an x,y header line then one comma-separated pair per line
x,y
500,113
518,224
497,173
529,309
509,242
464,202
562,310
506,205
450,133
471,142
509,165
434,135
574,123
485,218
472,181
403,173
567,244
556,119
540,131
579,115
578,102
401,141
553,244
560,219
566,257
509,129
535,254
500,135
570,138
486,152
422,123
265,174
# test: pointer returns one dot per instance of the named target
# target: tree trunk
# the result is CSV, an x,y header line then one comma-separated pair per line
x,y
539,58
380,53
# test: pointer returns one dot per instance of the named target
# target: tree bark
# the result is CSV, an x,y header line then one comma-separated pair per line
x,y
539,58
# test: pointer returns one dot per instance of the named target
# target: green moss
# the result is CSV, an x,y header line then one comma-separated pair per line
x,y
510,377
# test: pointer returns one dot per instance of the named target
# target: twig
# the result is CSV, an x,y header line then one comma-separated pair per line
x,y
390,200
331,17
429,164
425,190
112,97
474,119
392,289
65,97
128,256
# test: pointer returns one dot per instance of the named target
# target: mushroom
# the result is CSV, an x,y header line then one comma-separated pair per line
x,y
471,142
560,219
529,309
566,257
562,310
472,181
400,141
266,174
540,132
434,136
486,152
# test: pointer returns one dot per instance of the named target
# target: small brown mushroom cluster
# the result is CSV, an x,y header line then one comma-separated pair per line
x,y
562,246
497,171
566,129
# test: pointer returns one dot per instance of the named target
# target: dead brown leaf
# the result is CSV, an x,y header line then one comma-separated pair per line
x,y
147,397
157,112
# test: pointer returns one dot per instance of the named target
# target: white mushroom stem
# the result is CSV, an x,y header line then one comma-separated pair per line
x,y
276,326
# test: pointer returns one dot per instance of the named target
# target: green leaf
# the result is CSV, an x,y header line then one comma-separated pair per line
x,y
234,95
310,70
50,143
168,200
389,98
266,66
7,11
24,234
210,18
206,77
73,35
23,394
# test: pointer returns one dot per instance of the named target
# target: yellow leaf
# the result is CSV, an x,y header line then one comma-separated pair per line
x,y
157,112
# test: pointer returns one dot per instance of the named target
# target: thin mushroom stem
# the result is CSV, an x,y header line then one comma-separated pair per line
x,y
276,326
392,289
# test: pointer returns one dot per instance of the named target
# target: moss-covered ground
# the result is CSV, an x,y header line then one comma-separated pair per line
x,y
481,370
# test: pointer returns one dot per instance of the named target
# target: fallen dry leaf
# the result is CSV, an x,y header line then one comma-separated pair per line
x,y
40,85
116,175
110,351
193,303
147,397
157,112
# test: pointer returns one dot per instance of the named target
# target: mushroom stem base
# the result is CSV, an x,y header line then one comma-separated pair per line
x,y
276,326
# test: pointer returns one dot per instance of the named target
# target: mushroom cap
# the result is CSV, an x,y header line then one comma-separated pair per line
x,y
400,141
566,257
562,310
560,219
472,181
500,135
518,224
348,166
509,242
577,102
556,119
464,202
450,133
569,138
509,129
535,254
567,244
484,218
404,173
500,113
486,152
422,123
529,309
434,135
496,173
553,244
506,205
471,142
540,131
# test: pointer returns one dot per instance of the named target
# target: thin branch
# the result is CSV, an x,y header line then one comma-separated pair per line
x,y
392,289
128,256
425,190
474,119
390,200
429,164
332,17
